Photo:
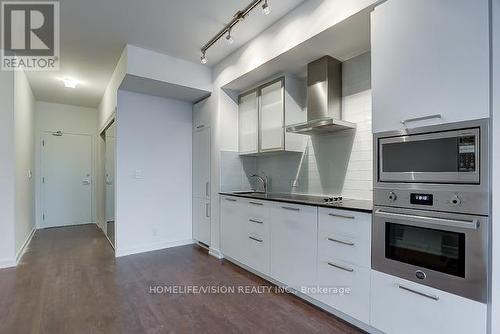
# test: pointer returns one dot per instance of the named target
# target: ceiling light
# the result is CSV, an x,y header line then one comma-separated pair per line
x,y
70,83
203,58
229,38
265,8
237,18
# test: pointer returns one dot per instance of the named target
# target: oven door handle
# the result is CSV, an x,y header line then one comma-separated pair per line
x,y
465,224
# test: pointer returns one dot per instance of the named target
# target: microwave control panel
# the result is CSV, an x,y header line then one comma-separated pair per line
x,y
467,154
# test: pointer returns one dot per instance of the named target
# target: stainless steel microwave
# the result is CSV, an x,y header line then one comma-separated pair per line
x,y
447,156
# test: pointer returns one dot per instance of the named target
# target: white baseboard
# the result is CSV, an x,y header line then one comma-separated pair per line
x,y
215,253
6,263
23,248
152,247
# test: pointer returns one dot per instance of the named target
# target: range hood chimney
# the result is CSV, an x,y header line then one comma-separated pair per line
x,y
324,99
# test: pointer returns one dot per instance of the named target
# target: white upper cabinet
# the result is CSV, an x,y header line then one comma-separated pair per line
x,y
201,115
264,113
248,123
430,62
272,117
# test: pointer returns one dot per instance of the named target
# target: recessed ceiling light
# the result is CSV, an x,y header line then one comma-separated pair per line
x,y
69,82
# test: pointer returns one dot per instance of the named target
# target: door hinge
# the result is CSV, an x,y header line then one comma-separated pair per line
x,y
43,143
43,179
43,216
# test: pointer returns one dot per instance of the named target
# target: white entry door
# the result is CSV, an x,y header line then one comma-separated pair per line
x,y
66,180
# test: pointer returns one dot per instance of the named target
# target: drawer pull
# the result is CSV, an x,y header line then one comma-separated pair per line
x,y
200,126
341,242
255,221
256,239
340,216
340,267
230,199
290,208
433,297
256,203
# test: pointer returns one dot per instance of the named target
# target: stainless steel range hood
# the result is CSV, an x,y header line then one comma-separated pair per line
x,y
324,99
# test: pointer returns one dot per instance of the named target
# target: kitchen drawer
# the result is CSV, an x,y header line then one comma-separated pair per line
x,y
352,249
346,223
256,214
401,306
355,280
257,253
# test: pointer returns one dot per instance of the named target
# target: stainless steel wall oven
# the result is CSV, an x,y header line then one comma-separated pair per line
x,y
431,214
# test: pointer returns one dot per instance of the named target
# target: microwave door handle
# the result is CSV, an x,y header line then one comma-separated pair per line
x,y
471,225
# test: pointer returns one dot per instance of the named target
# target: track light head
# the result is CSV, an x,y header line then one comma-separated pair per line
x,y
203,58
229,38
265,8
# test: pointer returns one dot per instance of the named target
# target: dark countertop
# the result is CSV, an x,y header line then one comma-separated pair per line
x,y
345,204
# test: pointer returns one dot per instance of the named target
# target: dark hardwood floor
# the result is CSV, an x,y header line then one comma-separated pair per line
x,y
70,282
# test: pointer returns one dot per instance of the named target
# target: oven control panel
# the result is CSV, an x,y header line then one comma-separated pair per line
x,y
436,200
467,154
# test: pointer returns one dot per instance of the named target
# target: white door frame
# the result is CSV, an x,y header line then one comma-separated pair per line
x,y
101,137
39,222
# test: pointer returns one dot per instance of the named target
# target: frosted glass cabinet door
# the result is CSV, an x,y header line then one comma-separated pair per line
x,y
272,117
248,123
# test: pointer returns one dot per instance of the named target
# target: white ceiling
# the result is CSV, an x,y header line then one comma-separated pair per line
x,y
94,32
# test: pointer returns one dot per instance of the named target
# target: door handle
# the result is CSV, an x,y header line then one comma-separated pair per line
x,y
433,297
341,242
207,210
423,118
340,267
340,216
207,188
464,224
86,182
290,208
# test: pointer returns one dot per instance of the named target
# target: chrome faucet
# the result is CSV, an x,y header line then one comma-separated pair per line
x,y
264,181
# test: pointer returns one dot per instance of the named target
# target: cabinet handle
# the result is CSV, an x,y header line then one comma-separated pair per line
x,y
341,242
256,239
207,210
340,216
255,221
256,203
340,267
200,126
230,199
207,188
433,297
423,118
290,208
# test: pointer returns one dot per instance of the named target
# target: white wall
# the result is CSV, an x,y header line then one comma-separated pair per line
x,y
68,119
153,173
24,139
495,314
157,66
7,158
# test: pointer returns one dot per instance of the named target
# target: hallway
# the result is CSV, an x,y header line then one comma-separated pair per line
x,y
70,282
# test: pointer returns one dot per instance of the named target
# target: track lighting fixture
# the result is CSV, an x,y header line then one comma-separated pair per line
x,y
203,58
265,8
229,38
239,16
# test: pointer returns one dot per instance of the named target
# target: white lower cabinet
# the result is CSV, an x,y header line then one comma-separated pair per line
x,y
232,224
344,239
294,244
348,287
400,306
201,220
